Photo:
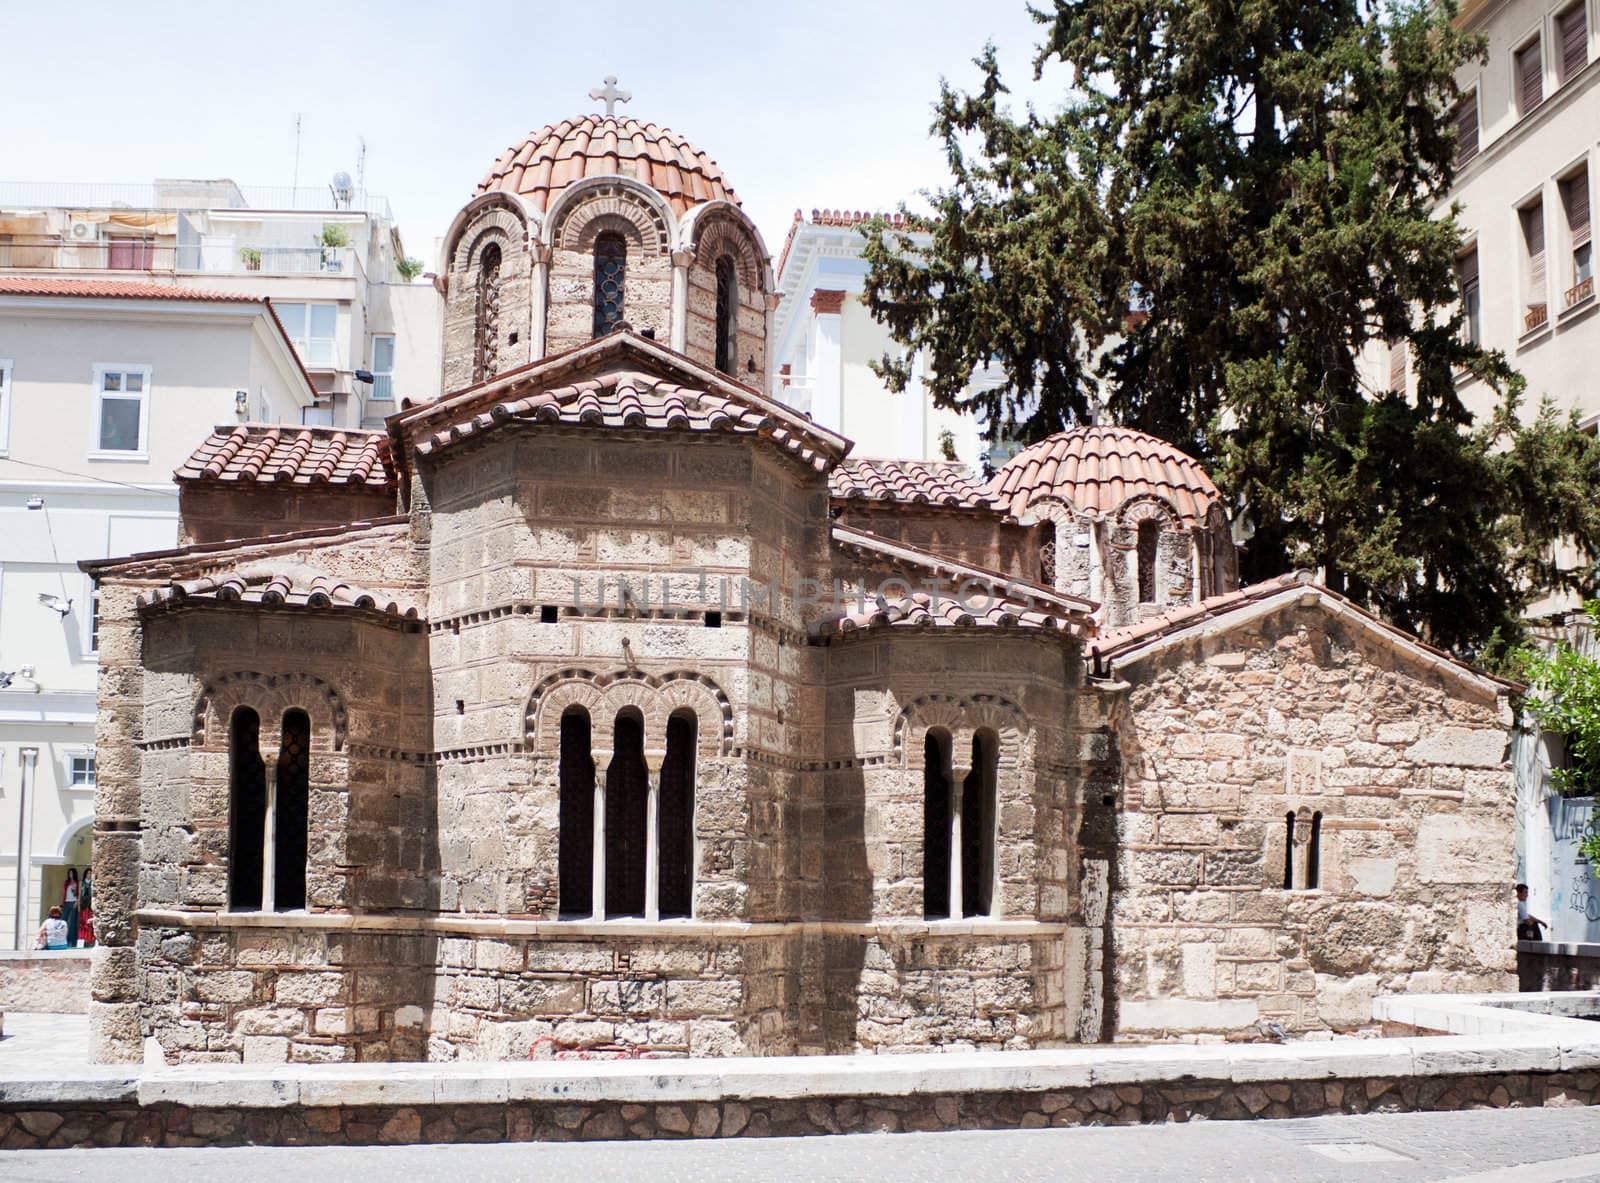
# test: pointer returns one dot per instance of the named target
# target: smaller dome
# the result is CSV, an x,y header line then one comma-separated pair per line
x,y
553,157
1097,469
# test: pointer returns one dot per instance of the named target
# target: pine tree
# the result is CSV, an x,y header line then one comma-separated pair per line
x,y
1233,200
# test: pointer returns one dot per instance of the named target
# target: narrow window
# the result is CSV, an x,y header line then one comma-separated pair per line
x,y
1572,41
1466,120
1288,851
935,827
610,271
1530,78
1471,297
1149,539
382,368
122,414
247,813
1397,364
576,805
1047,554
290,819
1575,201
977,827
1314,853
1536,311
627,785
675,822
727,314
486,316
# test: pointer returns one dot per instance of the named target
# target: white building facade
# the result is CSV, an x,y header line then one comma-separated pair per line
x,y
105,388
330,259
825,341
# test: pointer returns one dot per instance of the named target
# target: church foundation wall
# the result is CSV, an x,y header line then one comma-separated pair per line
x,y
1334,821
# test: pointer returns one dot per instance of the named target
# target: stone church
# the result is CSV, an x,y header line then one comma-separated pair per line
x,y
607,706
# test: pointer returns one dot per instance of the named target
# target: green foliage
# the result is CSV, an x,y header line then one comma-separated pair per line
x,y
947,444
334,234
1259,184
408,267
250,256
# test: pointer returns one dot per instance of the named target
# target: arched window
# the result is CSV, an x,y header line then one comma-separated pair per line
x,y
727,315
247,811
1288,851
936,826
486,320
977,827
1314,853
576,856
675,820
1149,539
627,788
291,813
610,271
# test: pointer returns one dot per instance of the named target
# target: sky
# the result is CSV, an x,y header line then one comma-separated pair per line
x,y
824,103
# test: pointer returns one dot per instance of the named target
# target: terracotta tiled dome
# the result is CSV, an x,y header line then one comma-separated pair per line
x,y
1099,468
553,157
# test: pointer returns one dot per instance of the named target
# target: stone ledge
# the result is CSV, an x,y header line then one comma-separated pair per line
x,y
1541,1049
672,930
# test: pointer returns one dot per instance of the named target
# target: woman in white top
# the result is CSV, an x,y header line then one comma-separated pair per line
x,y
53,932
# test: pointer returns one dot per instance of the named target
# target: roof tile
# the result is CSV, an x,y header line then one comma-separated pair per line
x,y
1098,468
321,456
921,482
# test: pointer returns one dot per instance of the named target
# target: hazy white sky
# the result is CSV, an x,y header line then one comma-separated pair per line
x,y
813,104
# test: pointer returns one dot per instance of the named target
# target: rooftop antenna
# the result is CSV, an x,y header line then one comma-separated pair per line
x,y
361,164
297,118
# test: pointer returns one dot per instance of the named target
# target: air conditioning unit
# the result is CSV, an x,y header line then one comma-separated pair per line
x,y
82,231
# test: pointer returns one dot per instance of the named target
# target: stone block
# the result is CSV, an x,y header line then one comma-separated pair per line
x,y
266,1049
1472,747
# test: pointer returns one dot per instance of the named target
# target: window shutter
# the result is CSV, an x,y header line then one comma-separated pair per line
x,y
1467,269
1533,236
1575,196
1573,29
1530,78
1397,365
1467,129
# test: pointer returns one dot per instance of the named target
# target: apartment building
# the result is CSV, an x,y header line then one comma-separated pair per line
x,y
330,258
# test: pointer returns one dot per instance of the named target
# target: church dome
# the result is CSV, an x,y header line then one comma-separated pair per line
x,y
553,157
1098,469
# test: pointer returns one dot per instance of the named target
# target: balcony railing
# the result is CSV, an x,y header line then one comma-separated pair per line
x,y
1536,317
186,194
1579,292
129,254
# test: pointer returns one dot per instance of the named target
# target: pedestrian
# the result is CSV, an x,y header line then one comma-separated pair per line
x,y
53,932
85,912
1528,925
69,904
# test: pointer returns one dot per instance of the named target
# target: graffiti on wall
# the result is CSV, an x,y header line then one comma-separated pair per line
x,y
1575,894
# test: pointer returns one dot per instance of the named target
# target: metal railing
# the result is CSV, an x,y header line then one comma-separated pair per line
x,y
188,194
131,254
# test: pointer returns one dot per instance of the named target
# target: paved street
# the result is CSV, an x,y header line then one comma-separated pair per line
x,y
1499,1146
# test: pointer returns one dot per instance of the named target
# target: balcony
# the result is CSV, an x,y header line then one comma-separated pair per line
x,y
50,253
1579,292
1536,317
188,195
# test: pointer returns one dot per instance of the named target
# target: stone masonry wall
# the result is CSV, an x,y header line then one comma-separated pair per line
x,y
216,512
1298,713
978,538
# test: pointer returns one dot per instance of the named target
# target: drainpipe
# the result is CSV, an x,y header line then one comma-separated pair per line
x,y
28,757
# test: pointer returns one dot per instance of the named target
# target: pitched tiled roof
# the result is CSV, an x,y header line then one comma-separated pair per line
x,y
921,482
976,598
1097,469
550,159
20,285
321,456
290,585
620,381
1124,643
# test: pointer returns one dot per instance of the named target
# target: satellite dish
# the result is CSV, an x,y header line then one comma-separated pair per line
x,y
341,189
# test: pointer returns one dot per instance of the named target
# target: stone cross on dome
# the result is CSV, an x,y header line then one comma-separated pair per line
x,y
610,95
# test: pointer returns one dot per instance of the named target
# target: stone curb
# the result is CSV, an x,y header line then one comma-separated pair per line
x,y
1544,1047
